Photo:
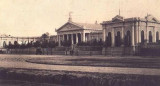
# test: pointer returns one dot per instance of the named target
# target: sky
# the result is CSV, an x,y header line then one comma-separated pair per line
x,y
35,17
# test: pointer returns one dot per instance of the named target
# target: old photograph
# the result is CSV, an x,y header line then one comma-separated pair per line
x,y
79,42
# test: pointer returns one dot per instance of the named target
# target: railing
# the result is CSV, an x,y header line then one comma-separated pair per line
x,y
89,48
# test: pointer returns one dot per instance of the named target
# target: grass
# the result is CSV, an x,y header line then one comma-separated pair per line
x,y
103,62
23,83
65,78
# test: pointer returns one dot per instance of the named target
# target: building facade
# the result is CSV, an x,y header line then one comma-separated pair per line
x,y
130,31
78,32
6,39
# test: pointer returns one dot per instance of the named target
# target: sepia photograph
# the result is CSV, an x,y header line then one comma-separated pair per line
x,y
79,42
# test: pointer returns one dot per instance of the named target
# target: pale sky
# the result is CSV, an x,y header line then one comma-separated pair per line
x,y
35,17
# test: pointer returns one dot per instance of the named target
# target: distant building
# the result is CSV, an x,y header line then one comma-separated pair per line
x,y
6,39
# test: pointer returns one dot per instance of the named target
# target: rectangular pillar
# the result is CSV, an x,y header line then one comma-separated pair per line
x,y
113,38
154,35
84,37
133,40
122,36
147,36
59,41
139,32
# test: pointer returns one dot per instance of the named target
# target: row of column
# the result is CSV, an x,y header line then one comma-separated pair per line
x,y
62,38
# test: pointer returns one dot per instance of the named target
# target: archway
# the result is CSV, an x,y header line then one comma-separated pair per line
x,y
118,39
142,36
128,39
157,36
108,39
150,36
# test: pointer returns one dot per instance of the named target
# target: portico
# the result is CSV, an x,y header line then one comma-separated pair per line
x,y
76,33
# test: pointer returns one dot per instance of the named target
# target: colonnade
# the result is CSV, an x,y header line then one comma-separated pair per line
x,y
73,37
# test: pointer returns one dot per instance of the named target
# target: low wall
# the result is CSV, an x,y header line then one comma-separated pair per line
x,y
88,50
45,51
118,51
149,52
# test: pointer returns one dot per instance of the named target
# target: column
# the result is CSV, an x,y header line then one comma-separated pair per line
x,y
122,36
133,41
72,38
77,38
146,36
104,34
67,37
139,32
81,37
84,38
113,38
154,35
63,37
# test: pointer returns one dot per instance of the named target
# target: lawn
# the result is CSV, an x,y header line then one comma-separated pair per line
x,y
64,78
137,62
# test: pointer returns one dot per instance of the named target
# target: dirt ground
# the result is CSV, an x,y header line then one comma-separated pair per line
x,y
79,70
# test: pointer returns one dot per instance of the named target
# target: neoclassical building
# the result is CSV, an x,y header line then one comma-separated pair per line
x,y
6,39
130,31
78,32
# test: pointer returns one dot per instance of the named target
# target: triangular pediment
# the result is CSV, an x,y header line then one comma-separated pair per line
x,y
117,18
151,18
70,26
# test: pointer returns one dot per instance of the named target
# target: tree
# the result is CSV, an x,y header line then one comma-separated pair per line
x,y
66,43
44,37
16,45
22,46
29,44
44,44
37,44
52,44
10,45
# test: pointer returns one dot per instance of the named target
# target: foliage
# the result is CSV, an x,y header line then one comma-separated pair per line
x,y
22,46
45,44
10,45
91,43
66,43
37,44
52,44
16,45
44,37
